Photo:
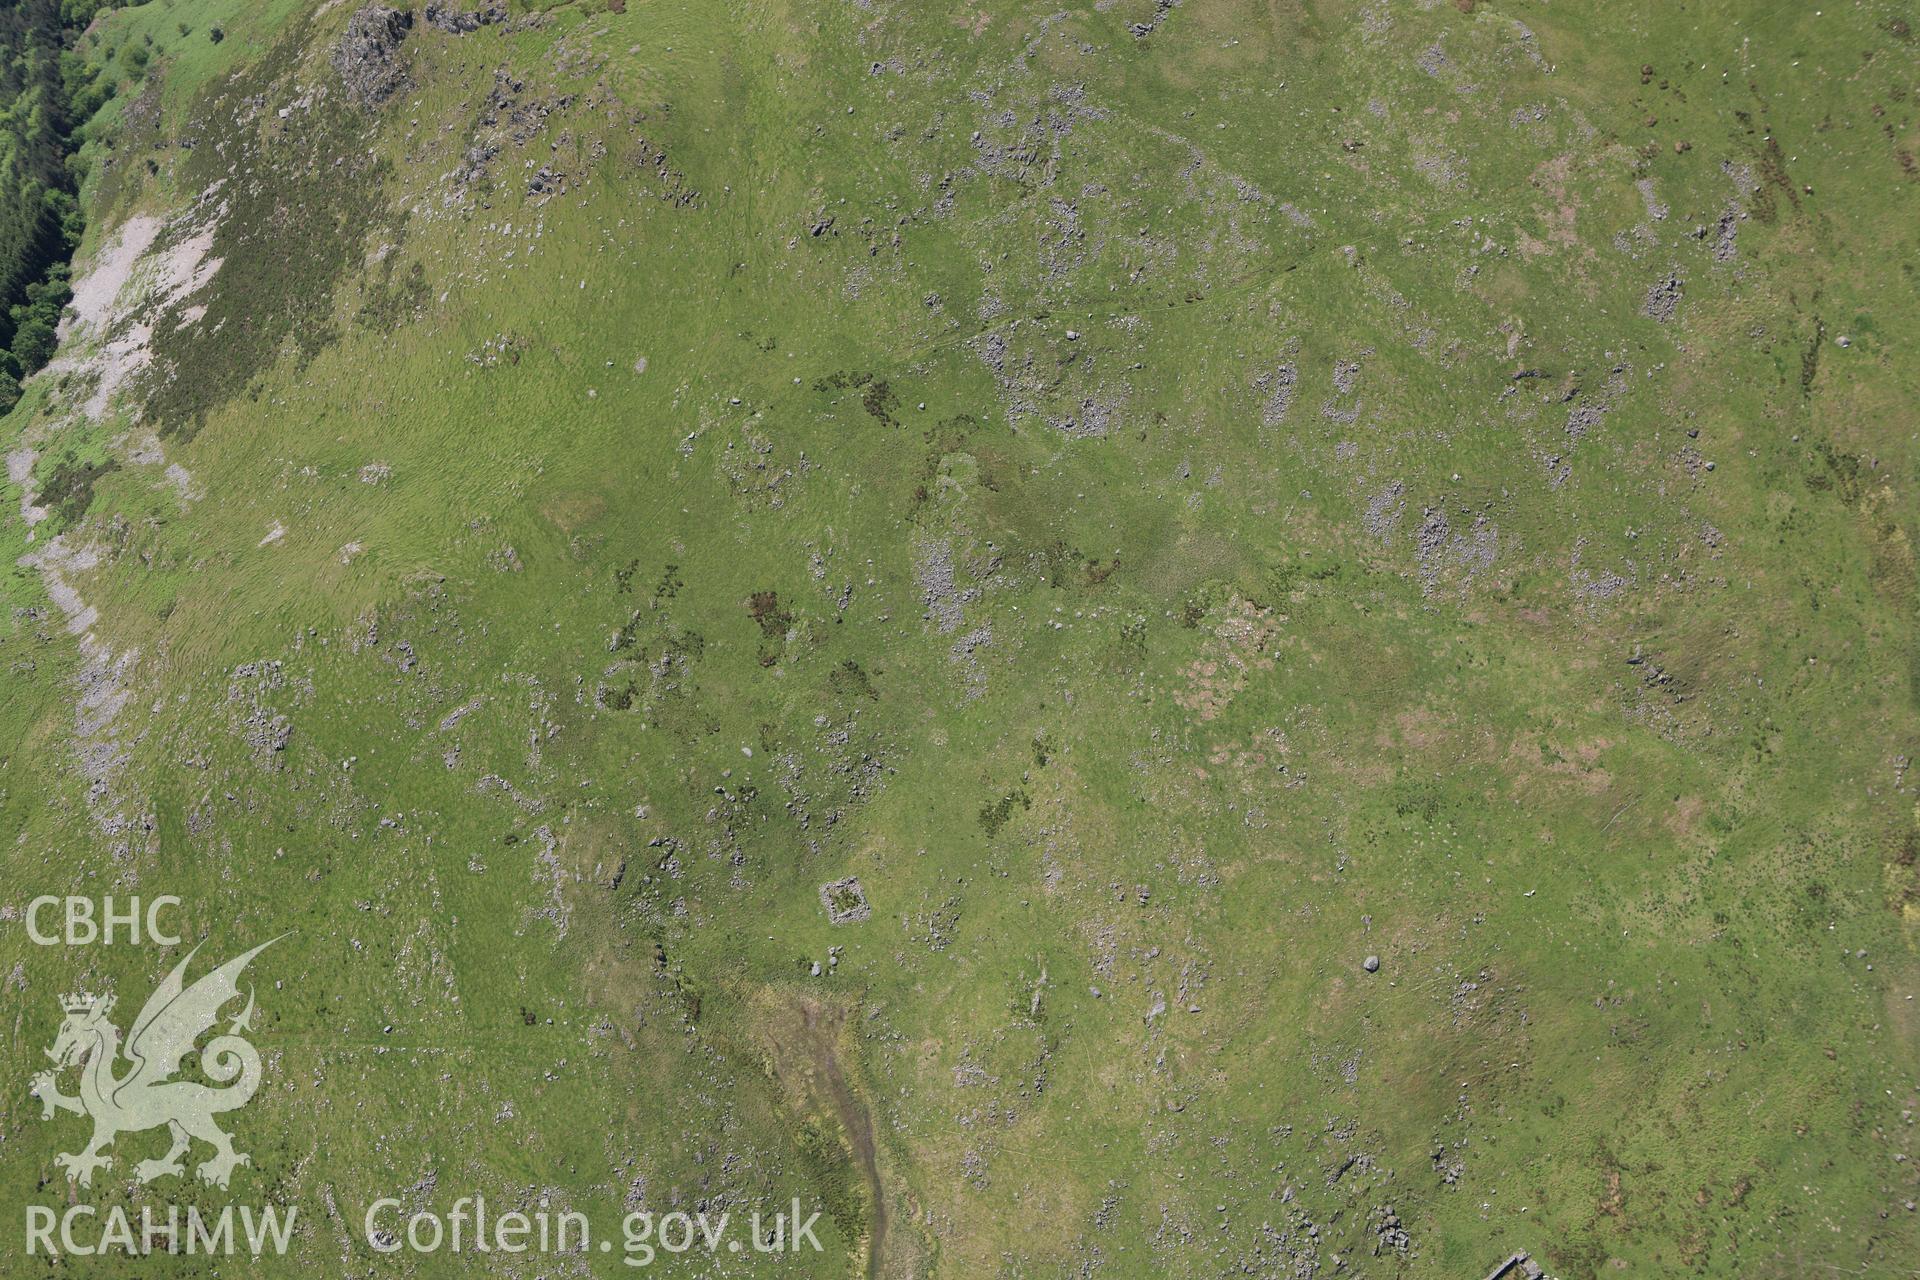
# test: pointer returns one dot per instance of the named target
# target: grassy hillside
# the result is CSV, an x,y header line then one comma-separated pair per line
x,y
1176,497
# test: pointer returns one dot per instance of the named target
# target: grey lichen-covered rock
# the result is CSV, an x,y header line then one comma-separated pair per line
x,y
1371,964
459,23
367,57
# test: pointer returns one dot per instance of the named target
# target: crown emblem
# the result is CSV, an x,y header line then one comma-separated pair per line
x,y
78,1002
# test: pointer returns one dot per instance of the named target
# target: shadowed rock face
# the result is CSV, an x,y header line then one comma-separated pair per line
x,y
367,54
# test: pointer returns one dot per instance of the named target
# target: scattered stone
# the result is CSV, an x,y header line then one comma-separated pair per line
x,y
1663,299
1583,418
1384,510
1726,234
1371,964
845,901
1278,389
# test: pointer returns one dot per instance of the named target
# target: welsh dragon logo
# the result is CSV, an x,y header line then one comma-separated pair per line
x,y
146,1096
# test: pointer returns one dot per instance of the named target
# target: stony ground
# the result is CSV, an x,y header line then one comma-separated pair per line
x,y
1149,638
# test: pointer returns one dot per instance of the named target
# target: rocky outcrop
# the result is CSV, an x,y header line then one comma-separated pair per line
x,y
367,57
454,22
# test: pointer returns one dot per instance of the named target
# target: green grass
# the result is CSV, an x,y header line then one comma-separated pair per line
x,y
1617,796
